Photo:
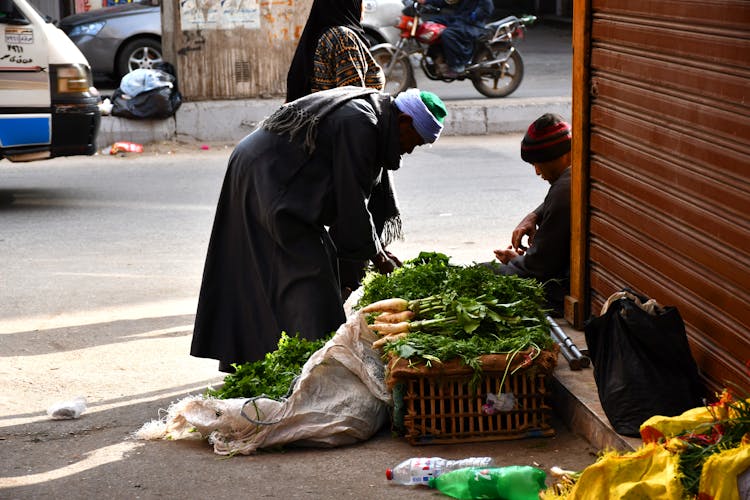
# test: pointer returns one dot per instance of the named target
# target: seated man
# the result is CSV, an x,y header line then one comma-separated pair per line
x,y
464,24
546,145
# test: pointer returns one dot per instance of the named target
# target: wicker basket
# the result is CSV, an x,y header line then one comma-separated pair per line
x,y
438,405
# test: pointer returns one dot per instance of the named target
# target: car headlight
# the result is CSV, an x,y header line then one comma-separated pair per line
x,y
90,29
73,78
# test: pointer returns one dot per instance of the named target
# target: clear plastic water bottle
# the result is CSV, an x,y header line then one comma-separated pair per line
x,y
420,470
515,482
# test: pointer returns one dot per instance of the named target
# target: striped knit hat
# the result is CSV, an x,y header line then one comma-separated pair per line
x,y
546,139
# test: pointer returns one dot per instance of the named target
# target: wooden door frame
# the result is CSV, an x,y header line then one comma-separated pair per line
x,y
576,303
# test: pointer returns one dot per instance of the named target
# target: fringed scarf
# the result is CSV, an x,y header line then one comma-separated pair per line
x,y
301,118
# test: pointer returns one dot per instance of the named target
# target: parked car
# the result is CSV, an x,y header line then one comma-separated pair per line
x,y
119,39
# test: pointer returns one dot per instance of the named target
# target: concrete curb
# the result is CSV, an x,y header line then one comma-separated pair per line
x,y
230,121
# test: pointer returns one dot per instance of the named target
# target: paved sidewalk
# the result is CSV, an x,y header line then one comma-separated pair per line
x,y
230,121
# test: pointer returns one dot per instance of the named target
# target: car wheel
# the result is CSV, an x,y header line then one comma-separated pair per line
x,y
138,53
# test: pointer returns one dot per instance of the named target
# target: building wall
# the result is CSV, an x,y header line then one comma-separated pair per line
x,y
666,167
237,55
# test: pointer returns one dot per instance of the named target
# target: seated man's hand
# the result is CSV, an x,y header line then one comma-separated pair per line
x,y
527,227
507,255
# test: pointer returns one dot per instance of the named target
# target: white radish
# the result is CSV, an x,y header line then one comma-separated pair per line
x,y
387,305
395,317
390,328
388,338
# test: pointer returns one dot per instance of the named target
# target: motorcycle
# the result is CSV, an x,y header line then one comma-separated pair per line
x,y
496,67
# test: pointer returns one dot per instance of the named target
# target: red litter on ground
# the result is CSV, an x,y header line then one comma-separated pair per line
x,y
205,147
126,147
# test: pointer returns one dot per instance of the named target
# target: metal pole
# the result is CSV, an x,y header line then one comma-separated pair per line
x,y
558,334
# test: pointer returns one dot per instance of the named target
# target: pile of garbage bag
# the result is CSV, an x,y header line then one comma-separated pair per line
x,y
147,94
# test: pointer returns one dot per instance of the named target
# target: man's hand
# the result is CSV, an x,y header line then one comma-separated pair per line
x,y
385,262
507,255
393,258
527,227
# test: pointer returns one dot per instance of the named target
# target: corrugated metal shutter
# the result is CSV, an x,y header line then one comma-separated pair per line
x,y
669,167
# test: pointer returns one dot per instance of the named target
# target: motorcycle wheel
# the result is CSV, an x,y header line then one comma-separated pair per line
x,y
401,75
497,80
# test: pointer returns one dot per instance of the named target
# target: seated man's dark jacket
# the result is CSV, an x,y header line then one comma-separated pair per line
x,y
548,259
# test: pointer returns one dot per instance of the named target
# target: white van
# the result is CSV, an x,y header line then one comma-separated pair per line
x,y
48,104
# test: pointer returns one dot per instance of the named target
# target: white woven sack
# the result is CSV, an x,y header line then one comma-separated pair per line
x,y
339,398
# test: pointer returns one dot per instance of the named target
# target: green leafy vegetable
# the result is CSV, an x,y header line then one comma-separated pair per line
x,y
273,375
460,311
730,428
417,278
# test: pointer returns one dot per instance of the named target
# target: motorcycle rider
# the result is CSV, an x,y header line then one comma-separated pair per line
x,y
464,23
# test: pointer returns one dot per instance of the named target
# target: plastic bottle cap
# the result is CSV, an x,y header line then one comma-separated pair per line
x,y
389,474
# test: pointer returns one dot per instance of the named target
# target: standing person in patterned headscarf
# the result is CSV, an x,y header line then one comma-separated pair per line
x,y
332,51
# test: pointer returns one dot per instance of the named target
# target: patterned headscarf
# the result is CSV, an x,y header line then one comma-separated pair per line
x,y
323,15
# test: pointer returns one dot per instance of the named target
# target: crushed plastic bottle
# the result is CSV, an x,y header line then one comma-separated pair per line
x,y
125,147
420,470
515,482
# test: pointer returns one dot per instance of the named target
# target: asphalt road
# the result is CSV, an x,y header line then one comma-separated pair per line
x,y
102,258
112,231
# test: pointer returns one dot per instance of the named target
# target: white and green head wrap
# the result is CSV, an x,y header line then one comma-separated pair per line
x,y
427,112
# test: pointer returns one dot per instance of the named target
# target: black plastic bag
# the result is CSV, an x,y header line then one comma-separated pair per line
x,y
160,102
642,362
156,103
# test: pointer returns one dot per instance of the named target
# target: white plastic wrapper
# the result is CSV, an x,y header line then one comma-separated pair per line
x,y
66,410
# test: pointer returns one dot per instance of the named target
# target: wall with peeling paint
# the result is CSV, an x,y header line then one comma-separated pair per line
x,y
236,52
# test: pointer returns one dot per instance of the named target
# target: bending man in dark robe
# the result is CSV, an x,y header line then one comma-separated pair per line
x,y
271,264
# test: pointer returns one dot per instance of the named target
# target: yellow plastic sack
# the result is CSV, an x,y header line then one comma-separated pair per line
x,y
720,472
696,420
649,472
661,427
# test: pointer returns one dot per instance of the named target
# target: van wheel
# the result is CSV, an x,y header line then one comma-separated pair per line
x,y
138,53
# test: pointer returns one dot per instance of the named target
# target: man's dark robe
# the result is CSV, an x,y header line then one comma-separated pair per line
x,y
271,262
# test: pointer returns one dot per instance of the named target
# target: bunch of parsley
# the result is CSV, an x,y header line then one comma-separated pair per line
x,y
274,374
